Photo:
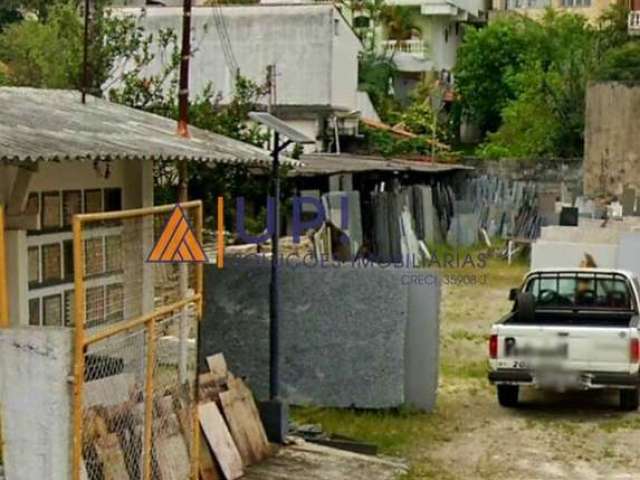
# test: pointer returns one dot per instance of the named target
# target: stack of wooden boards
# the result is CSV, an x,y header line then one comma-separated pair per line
x,y
233,436
112,443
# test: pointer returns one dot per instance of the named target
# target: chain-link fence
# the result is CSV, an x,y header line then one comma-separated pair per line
x,y
136,314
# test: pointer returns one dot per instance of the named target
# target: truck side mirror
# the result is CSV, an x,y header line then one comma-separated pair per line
x,y
513,294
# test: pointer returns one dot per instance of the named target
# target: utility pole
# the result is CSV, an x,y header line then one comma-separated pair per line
x,y
270,76
183,180
85,53
183,97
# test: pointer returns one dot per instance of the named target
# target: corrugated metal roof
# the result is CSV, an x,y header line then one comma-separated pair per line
x,y
330,164
45,125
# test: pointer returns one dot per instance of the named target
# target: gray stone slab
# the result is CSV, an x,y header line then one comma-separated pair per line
x,y
628,201
343,332
628,257
333,205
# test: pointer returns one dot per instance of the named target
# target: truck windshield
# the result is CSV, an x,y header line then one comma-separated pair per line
x,y
581,291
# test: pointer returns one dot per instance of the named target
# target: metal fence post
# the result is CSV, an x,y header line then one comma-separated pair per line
x,y
195,454
148,398
4,297
79,359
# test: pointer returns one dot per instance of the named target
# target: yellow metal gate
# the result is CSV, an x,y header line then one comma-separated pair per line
x,y
136,327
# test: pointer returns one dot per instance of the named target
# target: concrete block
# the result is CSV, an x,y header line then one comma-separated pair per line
x,y
350,336
422,334
628,257
556,254
35,402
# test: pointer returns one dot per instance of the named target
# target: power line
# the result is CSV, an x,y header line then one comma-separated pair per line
x,y
223,34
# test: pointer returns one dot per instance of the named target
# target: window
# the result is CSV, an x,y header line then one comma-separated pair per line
x,y
112,199
95,306
115,303
71,205
94,256
51,210
52,311
34,265
92,201
571,291
34,312
51,263
114,253
67,247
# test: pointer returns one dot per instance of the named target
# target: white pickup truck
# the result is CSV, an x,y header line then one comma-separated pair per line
x,y
569,329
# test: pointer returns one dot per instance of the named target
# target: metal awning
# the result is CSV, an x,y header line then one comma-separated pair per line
x,y
54,125
319,164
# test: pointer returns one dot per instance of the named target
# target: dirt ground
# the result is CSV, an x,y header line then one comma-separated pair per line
x,y
577,436
469,436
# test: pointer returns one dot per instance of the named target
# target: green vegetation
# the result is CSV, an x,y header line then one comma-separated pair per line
x,y
524,81
621,64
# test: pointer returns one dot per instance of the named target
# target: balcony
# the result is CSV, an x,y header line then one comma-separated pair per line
x,y
634,23
414,46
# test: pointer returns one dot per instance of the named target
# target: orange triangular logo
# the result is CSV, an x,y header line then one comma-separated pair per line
x,y
177,243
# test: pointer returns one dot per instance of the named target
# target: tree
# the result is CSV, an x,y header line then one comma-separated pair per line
x,y
399,22
487,58
48,52
44,54
621,64
540,100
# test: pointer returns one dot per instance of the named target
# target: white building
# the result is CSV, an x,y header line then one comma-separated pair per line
x,y
313,48
441,26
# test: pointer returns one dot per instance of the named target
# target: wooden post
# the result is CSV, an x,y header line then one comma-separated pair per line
x,y
4,296
79,359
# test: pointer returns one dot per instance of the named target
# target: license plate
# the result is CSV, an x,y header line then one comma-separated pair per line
x,y
558,380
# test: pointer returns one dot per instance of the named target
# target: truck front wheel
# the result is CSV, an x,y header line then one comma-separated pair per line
x,y
629,399
508,395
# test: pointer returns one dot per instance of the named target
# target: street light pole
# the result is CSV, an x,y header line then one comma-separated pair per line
x,y
274,297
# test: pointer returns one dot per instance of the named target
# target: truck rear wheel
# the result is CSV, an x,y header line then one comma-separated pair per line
x,y
629,399
508,395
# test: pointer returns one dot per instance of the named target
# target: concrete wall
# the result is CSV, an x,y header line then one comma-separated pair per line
x,y
35,402
615,246
365,337
612,142
313,48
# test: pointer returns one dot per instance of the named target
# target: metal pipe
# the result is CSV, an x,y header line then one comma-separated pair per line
x,y
79,358
274,305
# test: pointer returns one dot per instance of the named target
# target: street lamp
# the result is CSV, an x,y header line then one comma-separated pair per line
x,y
275,412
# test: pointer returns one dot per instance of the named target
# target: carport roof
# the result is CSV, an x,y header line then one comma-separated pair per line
x,y
54,125
319,164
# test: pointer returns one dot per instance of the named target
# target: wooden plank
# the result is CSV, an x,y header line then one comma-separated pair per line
x,y
244,422
112,458
218,367
220,440
109,391
208,469
173,457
